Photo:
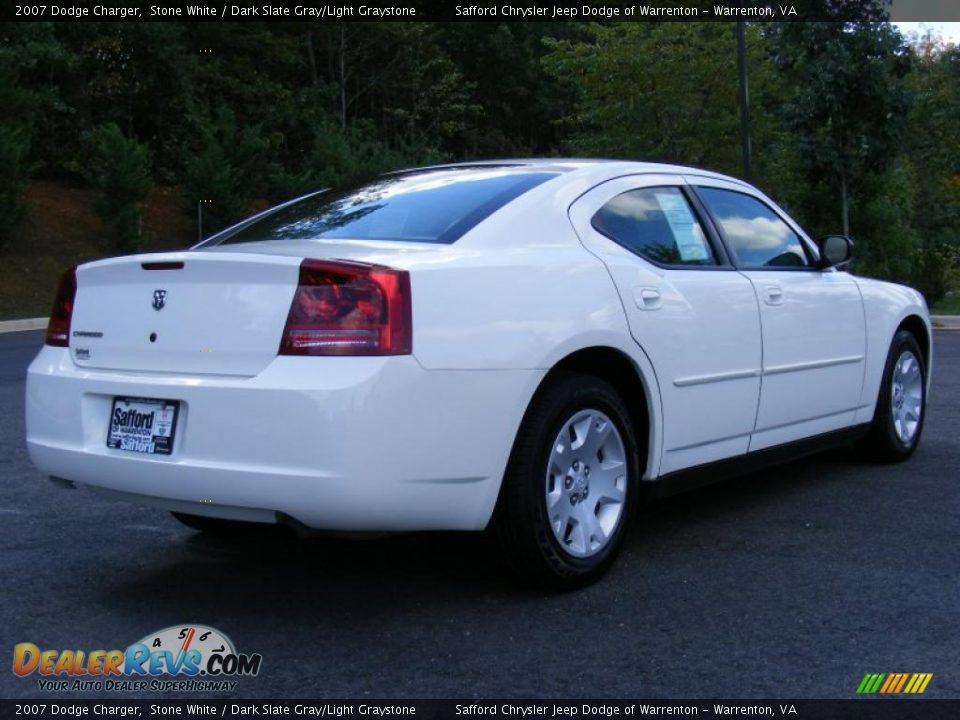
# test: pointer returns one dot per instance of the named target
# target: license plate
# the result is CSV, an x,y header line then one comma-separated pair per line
x,y
143,425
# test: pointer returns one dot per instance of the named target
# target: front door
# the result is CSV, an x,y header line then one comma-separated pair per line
x,y
814,332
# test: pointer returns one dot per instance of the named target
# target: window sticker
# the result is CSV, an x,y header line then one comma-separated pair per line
x,y
686,231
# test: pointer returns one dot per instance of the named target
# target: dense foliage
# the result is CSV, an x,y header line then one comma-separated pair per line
x,y
852,128
117,167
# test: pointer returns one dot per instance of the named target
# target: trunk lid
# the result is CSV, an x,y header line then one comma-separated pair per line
x,y
190,312
223,312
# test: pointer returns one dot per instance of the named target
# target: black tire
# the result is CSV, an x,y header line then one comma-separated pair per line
x,y
883,444
527,544
217,526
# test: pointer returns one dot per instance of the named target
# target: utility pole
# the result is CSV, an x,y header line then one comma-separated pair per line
x,y
744,98
200,204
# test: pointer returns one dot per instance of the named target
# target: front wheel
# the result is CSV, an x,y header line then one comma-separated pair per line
x,y
569,491
901,404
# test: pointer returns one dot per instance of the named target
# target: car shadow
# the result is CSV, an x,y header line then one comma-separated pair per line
x,y
224,574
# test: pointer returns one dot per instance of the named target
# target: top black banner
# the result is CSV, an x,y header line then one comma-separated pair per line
x,y
480,10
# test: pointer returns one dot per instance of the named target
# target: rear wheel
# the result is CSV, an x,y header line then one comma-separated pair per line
x,y
901,404
569,492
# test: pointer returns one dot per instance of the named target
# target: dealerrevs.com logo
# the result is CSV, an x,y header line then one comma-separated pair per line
x,y
180,658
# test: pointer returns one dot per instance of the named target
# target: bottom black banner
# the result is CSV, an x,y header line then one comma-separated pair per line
x,y
874,709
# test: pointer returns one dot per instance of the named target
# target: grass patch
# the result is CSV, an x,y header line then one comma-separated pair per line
x,y
949,304
61,229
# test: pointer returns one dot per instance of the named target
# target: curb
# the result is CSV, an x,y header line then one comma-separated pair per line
x,y
945,322
7,326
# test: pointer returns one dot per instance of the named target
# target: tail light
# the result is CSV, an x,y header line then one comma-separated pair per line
x,y
345,308
58,329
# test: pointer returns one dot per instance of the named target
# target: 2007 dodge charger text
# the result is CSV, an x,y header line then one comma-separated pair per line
x,y
519,345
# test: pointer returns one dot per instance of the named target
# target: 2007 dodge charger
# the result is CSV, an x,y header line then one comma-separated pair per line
x,y
525,345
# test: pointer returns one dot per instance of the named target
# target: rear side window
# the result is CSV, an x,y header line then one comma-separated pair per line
x,y
757,235
657,224
429,206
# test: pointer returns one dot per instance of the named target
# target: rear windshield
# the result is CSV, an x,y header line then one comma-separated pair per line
x,y
429,206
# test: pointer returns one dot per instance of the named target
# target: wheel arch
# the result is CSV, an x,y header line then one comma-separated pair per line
x,y
915,325
888,309
628,379
885,441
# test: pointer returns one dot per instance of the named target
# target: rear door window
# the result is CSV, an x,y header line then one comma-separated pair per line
x,y
657,224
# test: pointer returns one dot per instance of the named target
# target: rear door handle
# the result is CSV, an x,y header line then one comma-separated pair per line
x,y
647,298
773,295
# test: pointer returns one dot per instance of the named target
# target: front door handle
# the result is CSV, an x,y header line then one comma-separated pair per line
x,y
647,298
773,295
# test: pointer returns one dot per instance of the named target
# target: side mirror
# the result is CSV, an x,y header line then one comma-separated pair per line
x,y
835,251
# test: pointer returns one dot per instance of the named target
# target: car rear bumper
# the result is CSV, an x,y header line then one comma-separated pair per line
x,y
354,444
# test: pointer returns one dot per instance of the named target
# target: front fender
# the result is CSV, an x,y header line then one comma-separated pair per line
x,y
887,306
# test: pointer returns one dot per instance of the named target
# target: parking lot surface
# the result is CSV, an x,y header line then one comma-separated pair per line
x,y
793,582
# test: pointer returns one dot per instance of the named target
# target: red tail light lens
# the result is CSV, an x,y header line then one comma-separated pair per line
x,y
58,329
345,308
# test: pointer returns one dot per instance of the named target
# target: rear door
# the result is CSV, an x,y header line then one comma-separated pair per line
x,y
691,312
814,334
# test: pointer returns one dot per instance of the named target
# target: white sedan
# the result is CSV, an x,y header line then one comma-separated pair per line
x,y
524,345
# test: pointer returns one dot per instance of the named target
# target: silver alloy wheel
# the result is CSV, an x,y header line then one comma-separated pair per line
x,y
906,401
586,483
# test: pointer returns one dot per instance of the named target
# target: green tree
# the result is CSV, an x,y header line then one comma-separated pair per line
x,y
13,159
884,217
430,105
118,169
933,144
844,97
26,109
229,170
34,64
16,110
517,101
660,91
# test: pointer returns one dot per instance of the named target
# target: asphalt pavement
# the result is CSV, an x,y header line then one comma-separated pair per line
x,y
793,582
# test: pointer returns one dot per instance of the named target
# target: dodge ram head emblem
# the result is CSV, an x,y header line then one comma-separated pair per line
x,y
159,299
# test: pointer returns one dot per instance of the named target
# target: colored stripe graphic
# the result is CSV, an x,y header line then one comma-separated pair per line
x,y
918,683
870,683
892,679
894,683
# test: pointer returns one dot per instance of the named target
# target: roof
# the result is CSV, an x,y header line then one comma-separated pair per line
x,y
573,164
